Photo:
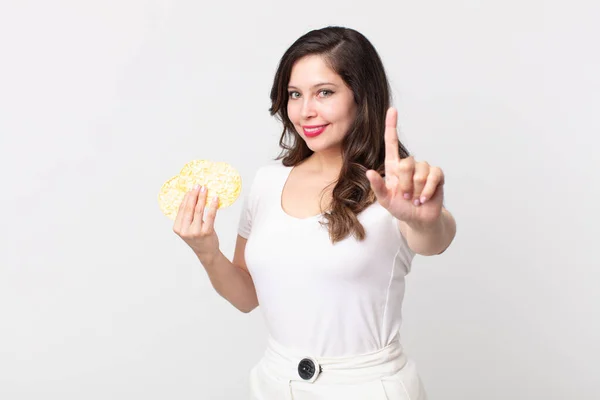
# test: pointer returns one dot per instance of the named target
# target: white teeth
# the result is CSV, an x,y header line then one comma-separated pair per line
x,y
313,129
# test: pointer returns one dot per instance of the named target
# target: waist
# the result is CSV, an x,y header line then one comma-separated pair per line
x,y
291,365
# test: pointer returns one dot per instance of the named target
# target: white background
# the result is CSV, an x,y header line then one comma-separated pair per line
x,y
102,101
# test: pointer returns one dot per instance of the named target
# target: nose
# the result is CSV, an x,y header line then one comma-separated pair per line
x,y
308,108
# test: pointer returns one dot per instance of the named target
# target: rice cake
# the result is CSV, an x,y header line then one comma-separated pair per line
x,y
170,197
220,179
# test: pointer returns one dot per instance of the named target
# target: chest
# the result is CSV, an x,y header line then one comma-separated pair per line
x,y
303,197
282,247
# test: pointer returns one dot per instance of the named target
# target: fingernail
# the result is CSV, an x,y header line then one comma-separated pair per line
x,y
416,202
215,199
407,196
196,187
203,189
423,198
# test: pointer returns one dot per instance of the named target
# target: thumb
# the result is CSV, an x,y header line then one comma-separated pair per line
x,y
378,186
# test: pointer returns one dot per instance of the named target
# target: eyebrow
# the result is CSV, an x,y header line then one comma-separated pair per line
x,y
314,86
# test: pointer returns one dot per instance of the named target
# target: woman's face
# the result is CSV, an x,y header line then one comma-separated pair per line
x,y
320,105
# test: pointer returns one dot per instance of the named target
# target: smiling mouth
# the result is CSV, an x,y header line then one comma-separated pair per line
x,y
312,131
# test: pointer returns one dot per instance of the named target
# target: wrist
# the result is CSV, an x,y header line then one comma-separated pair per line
x,y
428,226
208,259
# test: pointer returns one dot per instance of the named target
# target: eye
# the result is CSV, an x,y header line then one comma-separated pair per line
x,y
293,95
326,92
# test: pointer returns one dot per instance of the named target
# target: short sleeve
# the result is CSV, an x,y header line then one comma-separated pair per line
x,y
248,210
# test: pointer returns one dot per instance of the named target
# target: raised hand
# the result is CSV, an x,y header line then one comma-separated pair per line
x,y
411,191
197,232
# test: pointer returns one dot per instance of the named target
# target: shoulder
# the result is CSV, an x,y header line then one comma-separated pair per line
x,y
272,167
265,175
268,172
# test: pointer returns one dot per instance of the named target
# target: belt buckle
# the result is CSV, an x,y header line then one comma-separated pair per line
x,y
309,369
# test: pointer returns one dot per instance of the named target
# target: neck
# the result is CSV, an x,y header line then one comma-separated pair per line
x,y
326,162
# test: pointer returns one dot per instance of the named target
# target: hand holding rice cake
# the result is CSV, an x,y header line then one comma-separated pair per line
x,y
220,179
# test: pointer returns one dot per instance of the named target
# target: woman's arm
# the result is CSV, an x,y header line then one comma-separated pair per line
x,y
232,279
430,239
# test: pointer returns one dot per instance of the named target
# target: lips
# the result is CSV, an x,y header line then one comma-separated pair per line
x,y
313,130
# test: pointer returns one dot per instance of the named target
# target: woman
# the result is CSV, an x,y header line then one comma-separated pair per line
x,y
324,241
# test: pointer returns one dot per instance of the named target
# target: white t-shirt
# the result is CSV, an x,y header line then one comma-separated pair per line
x,y
324,299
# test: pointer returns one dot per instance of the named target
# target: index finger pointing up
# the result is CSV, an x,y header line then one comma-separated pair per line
x,y
391,137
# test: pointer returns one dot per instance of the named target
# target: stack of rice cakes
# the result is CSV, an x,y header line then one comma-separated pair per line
x,y
220,179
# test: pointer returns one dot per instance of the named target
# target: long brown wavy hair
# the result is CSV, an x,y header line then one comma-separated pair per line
x,y
351,55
